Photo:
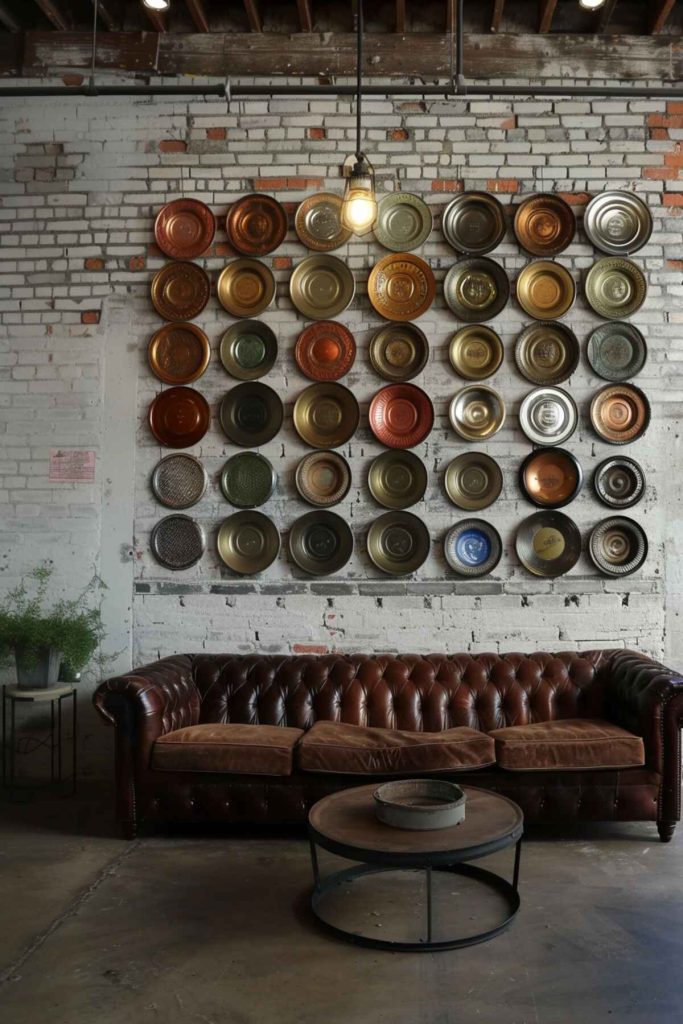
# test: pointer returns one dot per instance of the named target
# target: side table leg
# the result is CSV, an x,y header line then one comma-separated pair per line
x,y
314,864
429,903
73,741
52,741
59,739
518,855
4,736
12,739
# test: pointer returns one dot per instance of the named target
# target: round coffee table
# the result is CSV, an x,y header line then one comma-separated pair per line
x,y
344,823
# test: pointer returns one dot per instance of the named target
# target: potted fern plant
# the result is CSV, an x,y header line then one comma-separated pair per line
x,y
44,639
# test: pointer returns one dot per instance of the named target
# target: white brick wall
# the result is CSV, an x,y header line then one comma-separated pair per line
x,y
81,183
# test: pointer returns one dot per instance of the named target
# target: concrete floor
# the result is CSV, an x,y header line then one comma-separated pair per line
x,y
214,928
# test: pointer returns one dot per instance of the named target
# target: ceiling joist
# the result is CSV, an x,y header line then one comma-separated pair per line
x,y
253,15
497,15
546,10
8,20
198,13
53,13
305,15
400,17
663,9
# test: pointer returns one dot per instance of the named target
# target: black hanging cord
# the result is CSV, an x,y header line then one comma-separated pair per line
x,y
359,75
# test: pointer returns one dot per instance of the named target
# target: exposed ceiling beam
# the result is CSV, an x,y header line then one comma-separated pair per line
x,y
253,15
8,19
400,17
663,9
487,56
197,12
546,10
497,15
109,14
53,14
305,15
156,19
605,15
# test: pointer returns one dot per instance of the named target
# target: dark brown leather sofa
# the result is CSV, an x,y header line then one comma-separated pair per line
x,y
172,764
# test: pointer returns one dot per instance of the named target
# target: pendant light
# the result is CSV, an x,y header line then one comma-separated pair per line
x,y
591,5
156,5
359,206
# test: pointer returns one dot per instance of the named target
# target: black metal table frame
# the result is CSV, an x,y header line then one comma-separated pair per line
x,y
9,749
378,862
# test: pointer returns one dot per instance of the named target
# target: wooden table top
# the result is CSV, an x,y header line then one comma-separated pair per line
x,y
348,818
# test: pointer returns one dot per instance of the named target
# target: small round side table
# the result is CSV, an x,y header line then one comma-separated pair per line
x,y
54,695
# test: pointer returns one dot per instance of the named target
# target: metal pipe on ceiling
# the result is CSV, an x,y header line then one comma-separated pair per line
x,y
456,88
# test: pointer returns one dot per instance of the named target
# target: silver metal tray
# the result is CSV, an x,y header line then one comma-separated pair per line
x,y
420,804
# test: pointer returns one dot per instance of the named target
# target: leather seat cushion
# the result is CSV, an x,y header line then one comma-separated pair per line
x,y
356,750
568,744
217,747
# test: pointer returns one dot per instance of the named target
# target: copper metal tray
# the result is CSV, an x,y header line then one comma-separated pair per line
x,y
474,223
248,349
184,229
619,482
472,548
547,352
321,287
475,352
179,417
320,543
325,350
404,222
401,415
620,413
618,546
548,544
398,543
397,479
473,481
179,353
245,288
615,288
618,223
545,290
326,415
550,477
251,414
476,289
477,412
318,222
248,542
323,478
401,287
544,224
256,225
180,291
398,352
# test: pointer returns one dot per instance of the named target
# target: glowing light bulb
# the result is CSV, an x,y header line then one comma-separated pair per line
x,y
359,206
156,5
591,5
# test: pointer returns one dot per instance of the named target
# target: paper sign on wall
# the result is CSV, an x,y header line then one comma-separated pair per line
x,y
71,465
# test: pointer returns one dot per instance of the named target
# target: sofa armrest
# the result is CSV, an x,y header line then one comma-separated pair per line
x,y
143,705
646,697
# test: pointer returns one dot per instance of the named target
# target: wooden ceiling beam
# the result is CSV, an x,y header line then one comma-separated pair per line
x,y
605,15
156,19
400,19
253,15
497,14
305,15
546,10
53,13
197,12
662,11
8,19
487,56
109,14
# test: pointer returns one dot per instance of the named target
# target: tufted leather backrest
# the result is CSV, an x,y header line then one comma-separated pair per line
x,y
421,693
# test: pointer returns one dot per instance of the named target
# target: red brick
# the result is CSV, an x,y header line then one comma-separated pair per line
x,y
94,263
675,264
659,133
510,185
282,262
137,263
674,107
280,184
448,185
397,134
91,316
225,249
575,198
173,146
672,199
216,133
316,133
660,173
310,649
412,107
508,123
674,159
154,251
665,120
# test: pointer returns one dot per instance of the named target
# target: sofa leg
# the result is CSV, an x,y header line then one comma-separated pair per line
x,y
666,830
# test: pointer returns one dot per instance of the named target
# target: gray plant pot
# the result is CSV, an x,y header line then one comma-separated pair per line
x,y
41,673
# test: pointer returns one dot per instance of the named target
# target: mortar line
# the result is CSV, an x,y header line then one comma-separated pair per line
x,y
72,909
